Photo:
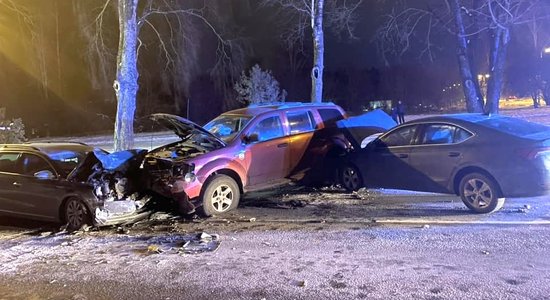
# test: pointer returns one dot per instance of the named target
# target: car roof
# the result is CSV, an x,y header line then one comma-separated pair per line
x,y
466,117
48,147
254,110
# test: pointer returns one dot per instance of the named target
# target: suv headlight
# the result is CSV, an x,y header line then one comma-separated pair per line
x,y
189,177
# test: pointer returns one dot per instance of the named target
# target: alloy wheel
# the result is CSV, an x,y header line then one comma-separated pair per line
x,y
222,198
75,214
350,178
478,193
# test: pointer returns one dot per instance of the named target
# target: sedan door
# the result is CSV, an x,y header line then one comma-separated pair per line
x,y
38,197
438,153
8,182
387,162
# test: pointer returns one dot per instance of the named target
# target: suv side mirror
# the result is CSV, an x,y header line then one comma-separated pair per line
x,y
46,174
251,138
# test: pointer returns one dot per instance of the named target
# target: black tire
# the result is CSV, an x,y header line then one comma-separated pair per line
x,y
220,196
75,214
480,193
351,178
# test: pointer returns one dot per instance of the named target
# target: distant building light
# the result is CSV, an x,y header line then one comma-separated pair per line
x,y
443,89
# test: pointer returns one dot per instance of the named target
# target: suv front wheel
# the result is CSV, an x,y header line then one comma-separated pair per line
x,y
220,195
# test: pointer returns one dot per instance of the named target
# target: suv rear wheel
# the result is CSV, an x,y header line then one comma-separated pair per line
x,y
480,193
220,195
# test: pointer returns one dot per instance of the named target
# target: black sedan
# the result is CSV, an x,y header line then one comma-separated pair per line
x,y
42,181
481,158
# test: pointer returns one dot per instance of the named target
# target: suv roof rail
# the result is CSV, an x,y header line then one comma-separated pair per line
x,y
292,104
55,142
15,146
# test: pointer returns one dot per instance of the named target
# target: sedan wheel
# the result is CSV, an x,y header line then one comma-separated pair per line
x,y
480,193
220,196
351,178
76,214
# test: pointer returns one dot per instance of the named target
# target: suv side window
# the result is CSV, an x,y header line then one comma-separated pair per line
x,y
30,164
8,162
269,128
300,121
330,116
401,137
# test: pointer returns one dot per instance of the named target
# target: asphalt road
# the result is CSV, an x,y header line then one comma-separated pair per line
x,y
295,244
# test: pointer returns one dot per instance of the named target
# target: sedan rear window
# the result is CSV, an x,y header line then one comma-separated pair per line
x,y
515,127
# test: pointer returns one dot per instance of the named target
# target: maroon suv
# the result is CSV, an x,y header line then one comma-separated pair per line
x,y
247,149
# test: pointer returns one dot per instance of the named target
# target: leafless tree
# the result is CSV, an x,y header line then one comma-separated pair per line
x,y
412,27
297,16
137,15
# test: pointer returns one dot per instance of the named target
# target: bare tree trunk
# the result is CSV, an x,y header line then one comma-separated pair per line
x,y
473,102
126,83
499,49
318,50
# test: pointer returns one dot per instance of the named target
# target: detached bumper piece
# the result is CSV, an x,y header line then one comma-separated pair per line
x,y
121,211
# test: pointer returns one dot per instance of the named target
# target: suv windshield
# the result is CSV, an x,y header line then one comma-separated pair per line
x,y
227,127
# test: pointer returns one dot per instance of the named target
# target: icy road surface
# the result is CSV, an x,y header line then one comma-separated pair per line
x,y
296,244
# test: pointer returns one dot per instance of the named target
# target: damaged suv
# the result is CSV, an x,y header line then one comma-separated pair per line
x,y
42,181
253,148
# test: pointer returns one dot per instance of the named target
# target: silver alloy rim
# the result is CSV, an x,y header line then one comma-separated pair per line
x,y
478,193
350,178
75,213
222,198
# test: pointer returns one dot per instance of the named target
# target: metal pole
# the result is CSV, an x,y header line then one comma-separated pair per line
x,y
188,104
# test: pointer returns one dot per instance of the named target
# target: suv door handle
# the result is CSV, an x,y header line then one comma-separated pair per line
x,y
16,184
402,155
454,154
283,145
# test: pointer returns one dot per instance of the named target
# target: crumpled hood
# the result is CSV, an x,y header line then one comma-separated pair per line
x,y
357,128
183,127
124,162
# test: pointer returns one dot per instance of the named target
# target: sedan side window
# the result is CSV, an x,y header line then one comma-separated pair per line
x,y
301,121
438,134
461,135
8,162
400,137
269,128
30,164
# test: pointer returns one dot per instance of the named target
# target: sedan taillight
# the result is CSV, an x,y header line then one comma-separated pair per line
x,y
532,153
